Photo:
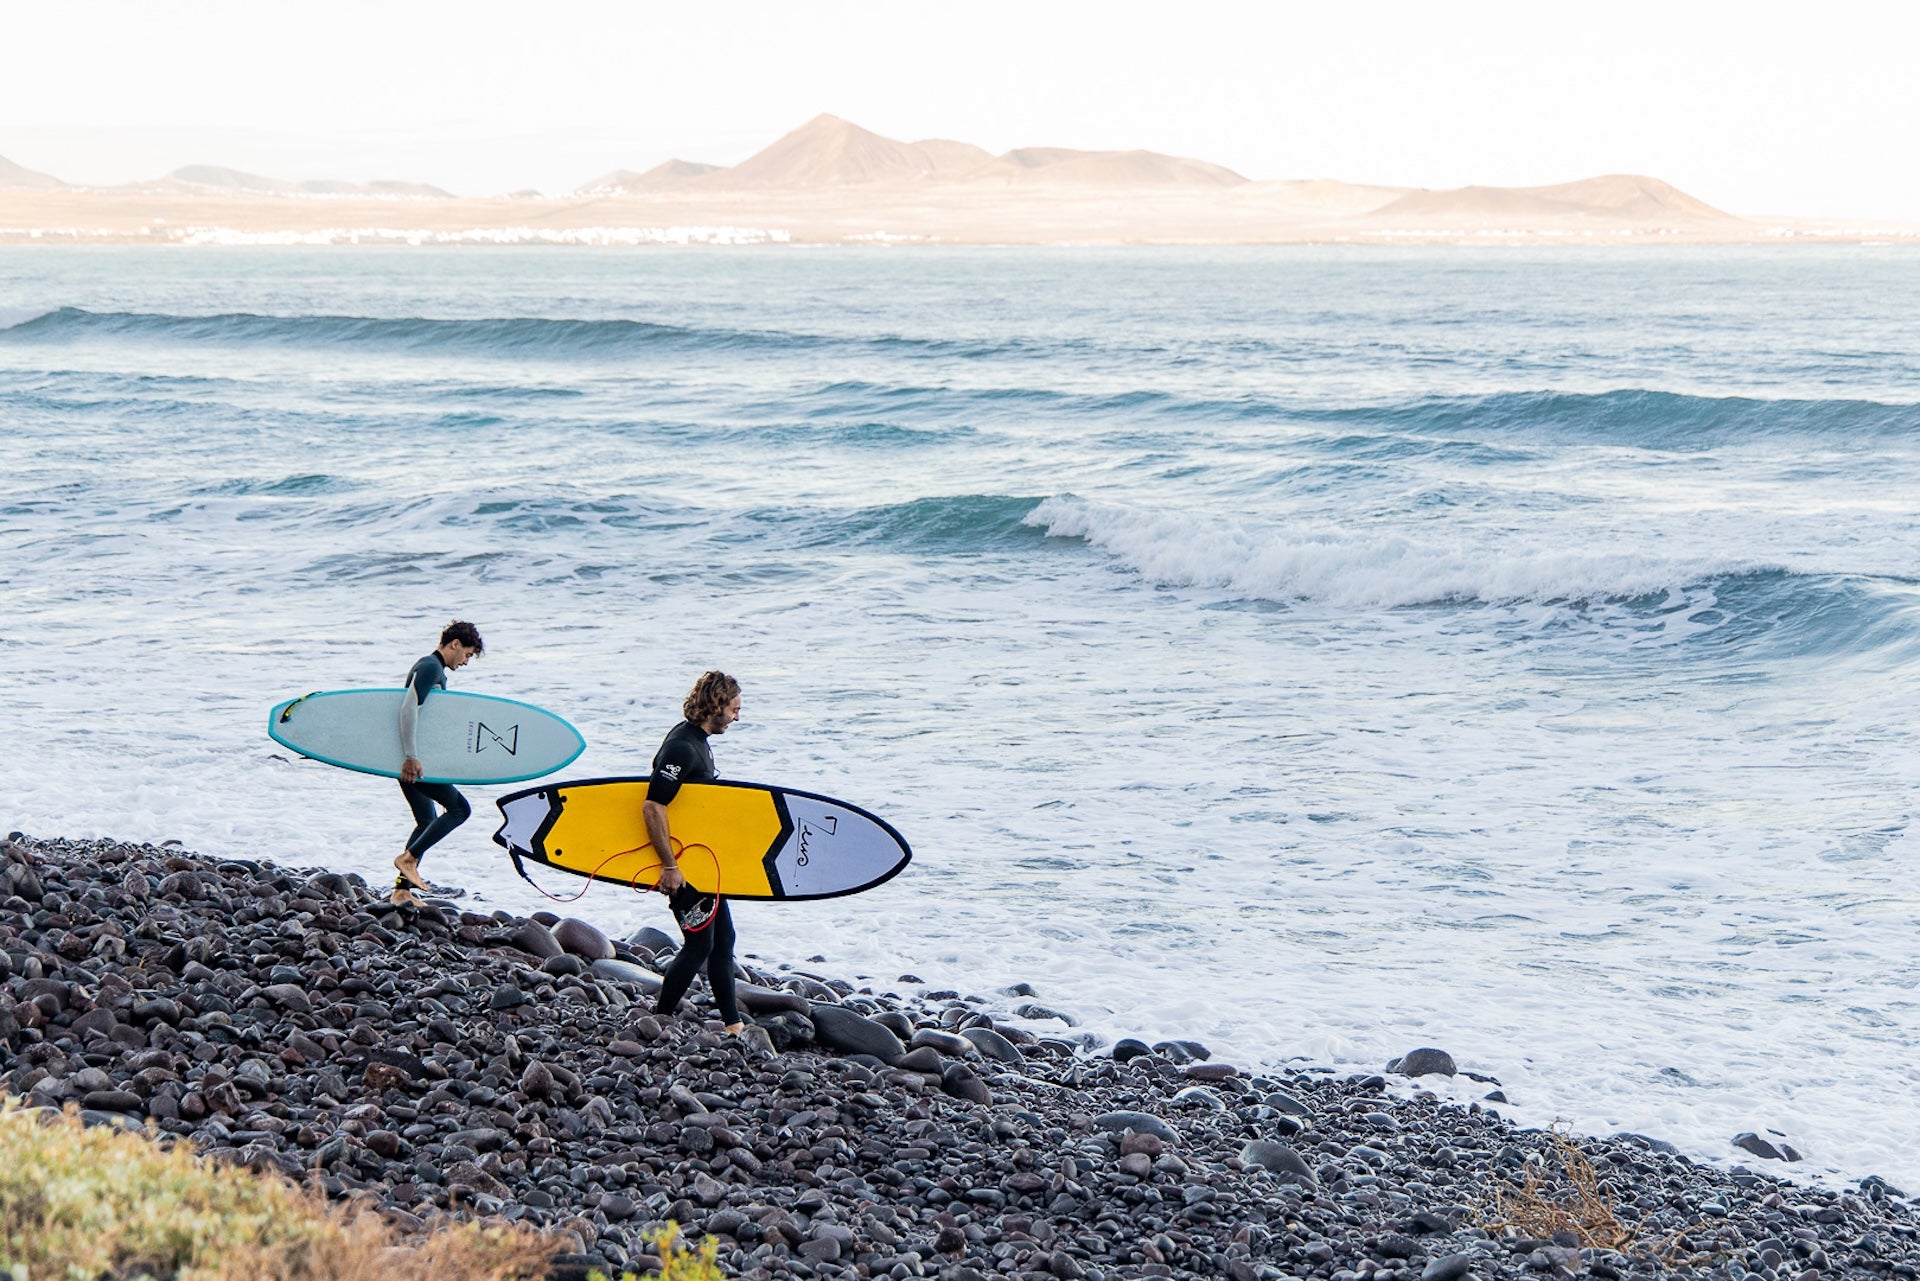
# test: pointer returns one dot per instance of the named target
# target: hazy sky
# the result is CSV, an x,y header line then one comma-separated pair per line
x,y
1756,108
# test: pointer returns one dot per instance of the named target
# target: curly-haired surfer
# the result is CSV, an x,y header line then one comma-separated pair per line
x,y
706,926
459,644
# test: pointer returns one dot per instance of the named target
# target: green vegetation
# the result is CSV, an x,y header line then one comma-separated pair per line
x,y
80,1204
678,1260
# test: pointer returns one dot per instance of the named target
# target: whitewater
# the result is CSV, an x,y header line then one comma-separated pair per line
x,y
1313,653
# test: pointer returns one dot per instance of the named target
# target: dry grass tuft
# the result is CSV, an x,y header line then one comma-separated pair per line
x,y
1567,1197
87,1203
1564,1197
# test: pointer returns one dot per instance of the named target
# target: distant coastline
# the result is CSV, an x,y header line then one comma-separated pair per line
x,y
832,182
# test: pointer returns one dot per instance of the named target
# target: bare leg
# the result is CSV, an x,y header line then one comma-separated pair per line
x,y
409,868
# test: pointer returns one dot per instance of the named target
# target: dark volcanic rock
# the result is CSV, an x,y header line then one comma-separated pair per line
x,y
853,1033
962,1082
925,1059
1138,1122
536,940
755,999
994,1046
947,1043
1281,1160
652,940
1766,1151
1424,1062
626,972
436,1073
582,940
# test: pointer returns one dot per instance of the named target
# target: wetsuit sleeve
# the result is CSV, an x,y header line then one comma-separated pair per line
x,y
677,760
420,683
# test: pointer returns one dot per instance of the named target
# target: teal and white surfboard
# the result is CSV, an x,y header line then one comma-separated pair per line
x,y
462,738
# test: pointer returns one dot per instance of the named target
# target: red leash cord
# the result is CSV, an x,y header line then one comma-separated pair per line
x,y
635,884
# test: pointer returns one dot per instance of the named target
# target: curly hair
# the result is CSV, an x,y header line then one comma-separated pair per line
x,y
709,697
464,632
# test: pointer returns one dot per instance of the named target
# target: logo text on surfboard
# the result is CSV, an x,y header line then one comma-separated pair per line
x,y
481,736
828,825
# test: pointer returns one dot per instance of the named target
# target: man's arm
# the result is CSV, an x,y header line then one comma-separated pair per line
x,y
417,690
676,759
671,878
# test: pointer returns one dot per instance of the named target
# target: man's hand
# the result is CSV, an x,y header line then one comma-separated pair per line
x,y
411,770
671,878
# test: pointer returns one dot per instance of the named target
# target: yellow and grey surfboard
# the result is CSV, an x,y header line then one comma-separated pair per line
x,y
741,840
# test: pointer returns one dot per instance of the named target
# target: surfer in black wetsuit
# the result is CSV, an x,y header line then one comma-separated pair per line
x,y
437,808
706,926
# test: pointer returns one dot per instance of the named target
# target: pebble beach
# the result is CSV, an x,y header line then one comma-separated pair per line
x,y
446,1062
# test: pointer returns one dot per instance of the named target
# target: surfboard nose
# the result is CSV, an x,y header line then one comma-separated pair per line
x,y
522,817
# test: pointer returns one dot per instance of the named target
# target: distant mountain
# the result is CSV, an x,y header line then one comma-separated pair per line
x,y
19,178
831,181
666,176
220,178
1061,166
1319,197
1610,198
410,190
212,179
830,152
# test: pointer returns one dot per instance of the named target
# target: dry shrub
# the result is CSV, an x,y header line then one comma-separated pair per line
x,y
1566,1196
79,1202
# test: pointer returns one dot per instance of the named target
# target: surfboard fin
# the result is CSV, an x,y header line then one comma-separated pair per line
x,y
288,709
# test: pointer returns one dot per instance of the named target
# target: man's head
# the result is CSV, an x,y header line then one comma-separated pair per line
x,y
714,702
460,642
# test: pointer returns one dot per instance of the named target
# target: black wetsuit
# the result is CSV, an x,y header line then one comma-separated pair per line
x,y
706,926
429,674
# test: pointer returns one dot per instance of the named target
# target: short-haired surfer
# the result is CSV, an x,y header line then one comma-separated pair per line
x,y
706,926
437,808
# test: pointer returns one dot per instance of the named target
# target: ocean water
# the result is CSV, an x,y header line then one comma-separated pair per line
x,y
1314,653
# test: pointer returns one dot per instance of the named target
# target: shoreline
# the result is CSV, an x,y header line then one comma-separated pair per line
x,y
490,1066
883,218
680,236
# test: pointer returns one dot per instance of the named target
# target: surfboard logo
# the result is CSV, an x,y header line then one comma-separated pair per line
x,y
828,824
507,740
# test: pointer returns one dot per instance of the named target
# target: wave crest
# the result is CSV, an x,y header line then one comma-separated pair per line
x,y
502,336
1631,417
1178,550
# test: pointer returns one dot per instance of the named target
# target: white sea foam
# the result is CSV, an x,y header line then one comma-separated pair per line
x,y
1253,562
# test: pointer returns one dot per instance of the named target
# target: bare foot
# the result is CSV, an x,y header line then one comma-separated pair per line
x,y
735,1029
403,897
409,867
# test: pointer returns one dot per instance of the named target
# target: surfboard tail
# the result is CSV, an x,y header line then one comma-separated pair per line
x,y
525,819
